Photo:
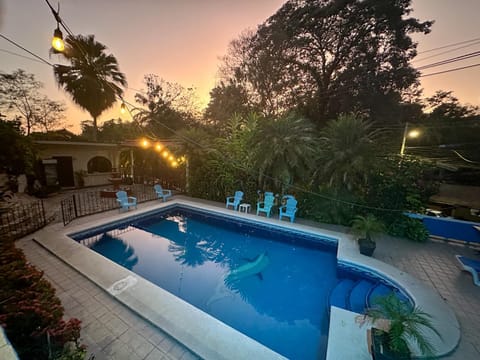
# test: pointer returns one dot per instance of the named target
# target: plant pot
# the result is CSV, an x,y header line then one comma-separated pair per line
x,y
367,247
380,349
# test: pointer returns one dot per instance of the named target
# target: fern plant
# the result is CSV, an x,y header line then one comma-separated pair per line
x,y
367,226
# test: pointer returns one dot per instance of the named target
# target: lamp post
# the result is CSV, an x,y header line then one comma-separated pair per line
x,y
408,134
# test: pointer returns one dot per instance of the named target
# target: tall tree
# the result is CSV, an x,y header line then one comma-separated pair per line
x,y
20,97
326,57
167,106
49,114
93,78
226,100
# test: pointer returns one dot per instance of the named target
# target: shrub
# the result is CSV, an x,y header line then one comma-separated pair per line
x,y
412,229
29,310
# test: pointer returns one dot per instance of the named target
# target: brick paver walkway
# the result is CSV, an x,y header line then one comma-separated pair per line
x,y
435,264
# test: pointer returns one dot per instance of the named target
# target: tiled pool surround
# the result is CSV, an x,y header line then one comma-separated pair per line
x,y
210,338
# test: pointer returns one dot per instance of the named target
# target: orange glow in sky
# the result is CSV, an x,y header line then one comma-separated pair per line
x,y
183,41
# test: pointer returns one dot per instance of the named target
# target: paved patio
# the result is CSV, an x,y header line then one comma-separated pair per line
x,y
112,331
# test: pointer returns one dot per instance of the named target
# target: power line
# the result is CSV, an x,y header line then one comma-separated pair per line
x,y
26,50
22,56
451,60
446,52
449,45
451,70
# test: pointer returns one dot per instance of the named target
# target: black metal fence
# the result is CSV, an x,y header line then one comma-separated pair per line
x,y
91,202
22,219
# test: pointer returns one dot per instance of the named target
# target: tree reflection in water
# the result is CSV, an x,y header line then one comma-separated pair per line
x,y
117,250
190,249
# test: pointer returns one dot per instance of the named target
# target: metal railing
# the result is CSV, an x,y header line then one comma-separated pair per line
x,y
92,202
22,219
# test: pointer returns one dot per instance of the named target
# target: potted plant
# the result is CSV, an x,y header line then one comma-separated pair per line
x,y
80,177
366,227
399,322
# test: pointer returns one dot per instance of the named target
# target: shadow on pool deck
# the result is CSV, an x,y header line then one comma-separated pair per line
x,y
112,331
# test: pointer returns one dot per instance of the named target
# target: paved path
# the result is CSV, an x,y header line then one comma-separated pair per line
x,y
435,264
112,331
109,329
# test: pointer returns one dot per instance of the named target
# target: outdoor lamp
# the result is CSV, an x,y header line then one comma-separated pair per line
x,y
145,143
158,147
123,108
57,41
414,134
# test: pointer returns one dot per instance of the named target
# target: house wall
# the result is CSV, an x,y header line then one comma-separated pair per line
x,y
81,153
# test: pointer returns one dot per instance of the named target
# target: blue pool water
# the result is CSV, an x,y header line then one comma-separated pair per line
x,y
273,285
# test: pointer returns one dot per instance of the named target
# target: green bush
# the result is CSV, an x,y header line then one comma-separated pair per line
x,y
30,312
412,229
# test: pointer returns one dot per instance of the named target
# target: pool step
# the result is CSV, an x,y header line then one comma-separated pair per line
x,y
377,291
340,293
357,298
358,295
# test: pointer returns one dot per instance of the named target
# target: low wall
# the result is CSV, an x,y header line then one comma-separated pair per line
x,y
97,179
450,229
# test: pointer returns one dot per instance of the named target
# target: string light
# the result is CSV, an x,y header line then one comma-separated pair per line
x,y
58,44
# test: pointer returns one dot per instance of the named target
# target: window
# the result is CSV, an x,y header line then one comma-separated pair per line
x,y
99,164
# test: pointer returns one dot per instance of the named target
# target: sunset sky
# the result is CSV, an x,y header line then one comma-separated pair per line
x,y
182,41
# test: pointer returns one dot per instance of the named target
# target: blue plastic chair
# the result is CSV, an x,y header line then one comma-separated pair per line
x,y
234,200
286,197
266,205
161,193
288,210
125,201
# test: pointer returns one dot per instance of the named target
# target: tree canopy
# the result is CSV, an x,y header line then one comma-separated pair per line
x,y
166,106
326,57
20,98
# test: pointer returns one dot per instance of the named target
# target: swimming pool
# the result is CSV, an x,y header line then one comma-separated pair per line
x,y
274,285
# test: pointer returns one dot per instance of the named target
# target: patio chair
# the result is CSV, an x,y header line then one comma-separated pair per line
x,y
125,201
288,210
161,193
234,200
266,205
286,197
470,265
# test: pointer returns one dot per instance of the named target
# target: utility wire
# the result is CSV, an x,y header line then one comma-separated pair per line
x,y
446,52
20,55
449,45
26,50
451,60
451,70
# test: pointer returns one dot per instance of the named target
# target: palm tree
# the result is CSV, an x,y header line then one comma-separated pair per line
x,y
93,78
347,152
285,149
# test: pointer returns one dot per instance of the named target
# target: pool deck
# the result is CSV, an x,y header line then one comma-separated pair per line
x,y
112,330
